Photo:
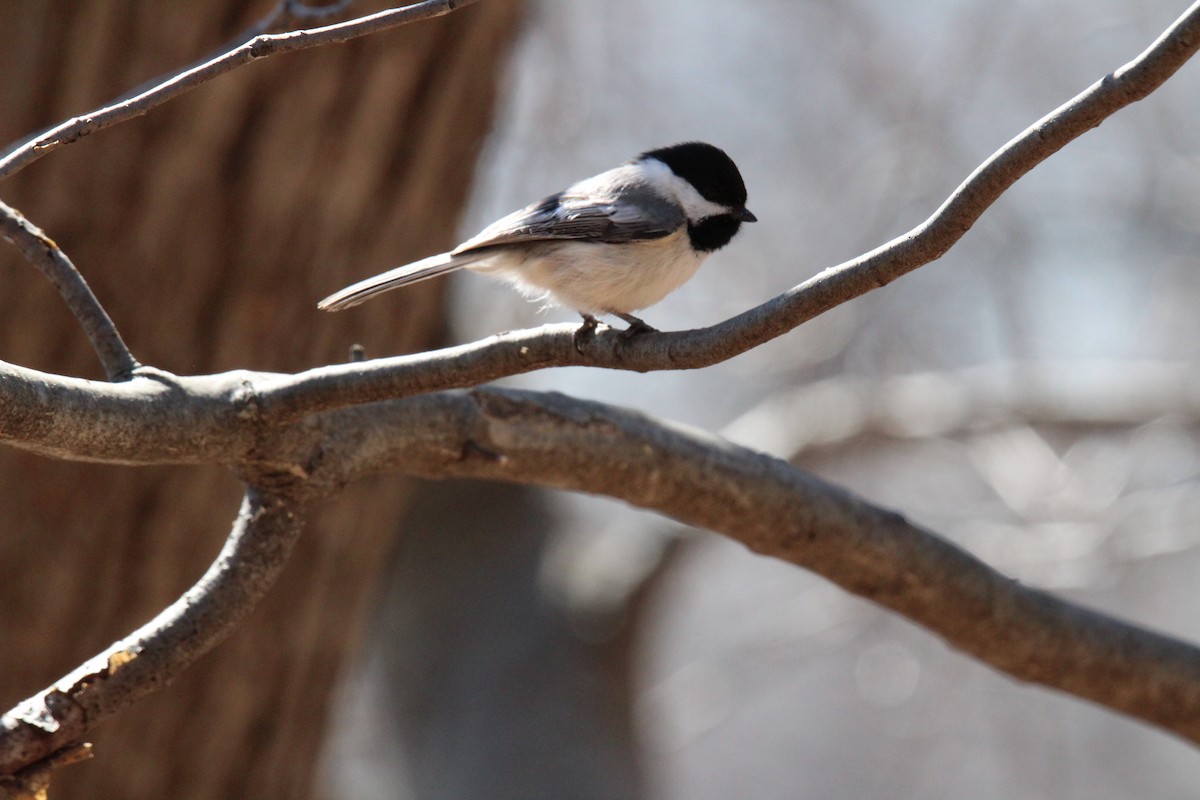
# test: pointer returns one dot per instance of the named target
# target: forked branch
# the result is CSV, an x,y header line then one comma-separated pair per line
x,y
41,251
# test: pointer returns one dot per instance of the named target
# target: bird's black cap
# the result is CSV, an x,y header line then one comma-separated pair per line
x,y
706,167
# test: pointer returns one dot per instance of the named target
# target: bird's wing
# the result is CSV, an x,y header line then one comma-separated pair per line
x,y
632,214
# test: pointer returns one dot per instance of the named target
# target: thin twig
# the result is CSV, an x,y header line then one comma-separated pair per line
x,y
519,352
283,17
25,153
41,251
150,658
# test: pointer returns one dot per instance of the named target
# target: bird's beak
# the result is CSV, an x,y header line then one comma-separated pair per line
x,y
744,215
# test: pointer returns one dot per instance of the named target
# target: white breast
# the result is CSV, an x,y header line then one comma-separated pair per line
x,y
601,278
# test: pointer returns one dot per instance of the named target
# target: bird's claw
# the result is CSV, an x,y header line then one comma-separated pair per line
x,y
636,326
585,332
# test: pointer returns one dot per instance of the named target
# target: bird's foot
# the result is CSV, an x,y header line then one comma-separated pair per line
x,y
585,332
636,326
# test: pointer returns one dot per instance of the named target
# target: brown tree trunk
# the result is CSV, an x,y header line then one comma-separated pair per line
x,y
209,228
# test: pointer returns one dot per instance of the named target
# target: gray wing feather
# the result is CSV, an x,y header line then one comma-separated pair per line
x,y
632,214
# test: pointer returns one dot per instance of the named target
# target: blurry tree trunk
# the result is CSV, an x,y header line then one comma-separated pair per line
x,y
209,228
478,682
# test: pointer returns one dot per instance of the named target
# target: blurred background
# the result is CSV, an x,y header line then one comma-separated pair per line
x,y
1030,396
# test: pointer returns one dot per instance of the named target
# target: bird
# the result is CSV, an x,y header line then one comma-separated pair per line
x,y
615,243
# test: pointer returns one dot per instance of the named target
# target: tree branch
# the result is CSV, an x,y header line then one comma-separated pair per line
x,y
150,658
780,511
567,443
41,251
261,46
551,346
156,418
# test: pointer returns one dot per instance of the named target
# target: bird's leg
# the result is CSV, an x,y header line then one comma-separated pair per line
x,y
586,331
636,325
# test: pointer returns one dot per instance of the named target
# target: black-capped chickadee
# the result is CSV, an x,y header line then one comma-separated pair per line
x,y
612,244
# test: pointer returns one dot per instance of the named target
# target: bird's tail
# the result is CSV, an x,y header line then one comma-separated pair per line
x,y
421,270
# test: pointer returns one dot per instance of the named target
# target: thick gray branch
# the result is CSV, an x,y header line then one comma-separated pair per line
x,y
562,442
155,418
778,510
150,658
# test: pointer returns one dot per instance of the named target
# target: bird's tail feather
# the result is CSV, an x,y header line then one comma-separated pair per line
x,y
421,270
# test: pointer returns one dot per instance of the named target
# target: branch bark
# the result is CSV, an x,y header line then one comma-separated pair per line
x,y
765,503
780,511
150,658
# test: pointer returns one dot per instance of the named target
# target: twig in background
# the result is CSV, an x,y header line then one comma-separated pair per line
x,y
74,129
